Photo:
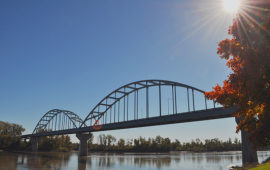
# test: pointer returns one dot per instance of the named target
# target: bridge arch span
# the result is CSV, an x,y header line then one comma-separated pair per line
x,y
56,119
111,100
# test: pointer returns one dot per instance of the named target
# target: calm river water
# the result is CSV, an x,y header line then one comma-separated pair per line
x,y
124,161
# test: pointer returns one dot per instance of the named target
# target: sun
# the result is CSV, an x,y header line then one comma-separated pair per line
x,y
231,5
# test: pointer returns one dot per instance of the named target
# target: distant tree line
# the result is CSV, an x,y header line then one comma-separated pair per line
x,y
10,138
108,142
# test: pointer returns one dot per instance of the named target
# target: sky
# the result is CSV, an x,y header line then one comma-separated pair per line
x,y
71,54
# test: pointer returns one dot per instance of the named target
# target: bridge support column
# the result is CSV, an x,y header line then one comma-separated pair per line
x,y
35,141
24,140
248,155
83,148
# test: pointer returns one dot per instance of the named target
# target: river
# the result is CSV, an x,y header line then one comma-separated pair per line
x,y
123,161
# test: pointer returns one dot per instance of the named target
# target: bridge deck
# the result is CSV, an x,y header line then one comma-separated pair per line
x,y
199,115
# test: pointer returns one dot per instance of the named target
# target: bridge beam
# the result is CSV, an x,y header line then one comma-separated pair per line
x,y
83,148
248,155
35,141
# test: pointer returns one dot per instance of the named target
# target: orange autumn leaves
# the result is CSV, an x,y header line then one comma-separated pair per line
x,y
248,55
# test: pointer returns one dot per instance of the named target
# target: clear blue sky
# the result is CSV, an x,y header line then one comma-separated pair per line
x,y
70,54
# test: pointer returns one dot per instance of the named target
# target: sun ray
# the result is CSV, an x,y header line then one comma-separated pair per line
x,y
238,28
254,21
194,32
203,20
253,7
197,25
246,17
204,9
219,25
245,31
173,48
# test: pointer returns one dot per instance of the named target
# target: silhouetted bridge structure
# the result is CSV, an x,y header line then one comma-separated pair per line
x,y
138,104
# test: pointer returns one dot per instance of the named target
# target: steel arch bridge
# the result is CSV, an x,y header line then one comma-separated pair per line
x,y
120,109
56,120
101,109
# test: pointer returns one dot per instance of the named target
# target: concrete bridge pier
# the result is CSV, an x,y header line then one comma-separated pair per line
x,y
83,148
248,155
35,141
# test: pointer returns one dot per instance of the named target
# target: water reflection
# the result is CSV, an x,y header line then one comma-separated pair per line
x,y
181,160
161,162
82,163
45,160
177,160
9,161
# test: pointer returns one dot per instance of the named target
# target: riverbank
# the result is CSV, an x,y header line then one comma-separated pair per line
x,y
265,165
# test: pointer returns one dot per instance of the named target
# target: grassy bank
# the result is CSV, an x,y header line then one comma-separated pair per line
x,y
265,165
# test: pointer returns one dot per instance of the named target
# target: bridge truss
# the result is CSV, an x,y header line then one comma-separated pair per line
x,y
115,107
56,120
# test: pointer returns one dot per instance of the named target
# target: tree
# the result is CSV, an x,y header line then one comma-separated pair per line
x,y
121,143
247,54
176,144
129,142
59,142
9,133
110,139
90,141
102,140
159,140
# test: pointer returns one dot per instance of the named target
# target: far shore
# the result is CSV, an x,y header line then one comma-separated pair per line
x,y
127,151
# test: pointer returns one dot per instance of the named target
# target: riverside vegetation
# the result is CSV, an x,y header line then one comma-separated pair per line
x,y
160,144
10,135
10,139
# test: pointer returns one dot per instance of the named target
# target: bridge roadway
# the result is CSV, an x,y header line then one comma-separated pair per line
x,y
199,115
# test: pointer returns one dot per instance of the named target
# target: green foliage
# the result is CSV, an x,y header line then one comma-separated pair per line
x,y
10,134
105,142
75,146
121,143
160,144
60,143
262,167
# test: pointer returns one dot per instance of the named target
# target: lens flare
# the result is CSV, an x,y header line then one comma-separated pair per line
x,y
231,5
97,125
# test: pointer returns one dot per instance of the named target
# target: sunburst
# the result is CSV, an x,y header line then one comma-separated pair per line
x,y
231,5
